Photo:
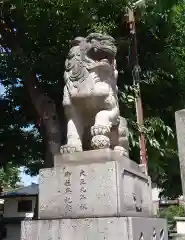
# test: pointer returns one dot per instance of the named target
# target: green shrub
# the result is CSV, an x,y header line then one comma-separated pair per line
x,y
171,212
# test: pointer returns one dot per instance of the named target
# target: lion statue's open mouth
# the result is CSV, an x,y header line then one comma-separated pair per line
x,y
100,51
101,57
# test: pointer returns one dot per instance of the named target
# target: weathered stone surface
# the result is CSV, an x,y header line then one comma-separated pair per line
x,y
147,228
180,128
176,236
70,229
95,228
100,155
90,97
112,186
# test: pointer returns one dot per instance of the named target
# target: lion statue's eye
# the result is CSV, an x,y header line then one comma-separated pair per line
x,y
103,42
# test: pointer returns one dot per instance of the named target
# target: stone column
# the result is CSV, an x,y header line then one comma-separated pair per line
x,y
180,128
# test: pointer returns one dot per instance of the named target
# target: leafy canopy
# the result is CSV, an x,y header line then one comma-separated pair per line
x,y
35,39
9,177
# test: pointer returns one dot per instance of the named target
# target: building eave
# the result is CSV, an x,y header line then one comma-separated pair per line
x,y
13,220
19,196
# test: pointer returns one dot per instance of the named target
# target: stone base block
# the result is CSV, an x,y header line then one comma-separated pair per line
x,y
176,236
180,225
94,184
124,228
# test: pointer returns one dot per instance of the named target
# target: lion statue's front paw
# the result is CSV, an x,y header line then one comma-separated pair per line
x,y
121,150
70,149
100,141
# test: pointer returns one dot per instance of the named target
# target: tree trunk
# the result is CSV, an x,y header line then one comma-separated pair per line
x,y
44,106
50,127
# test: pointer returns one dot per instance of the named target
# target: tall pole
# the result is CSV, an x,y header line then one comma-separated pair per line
x,y
136,83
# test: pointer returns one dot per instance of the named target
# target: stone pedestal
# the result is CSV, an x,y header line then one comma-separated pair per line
x,y
85,187
123,228
95,194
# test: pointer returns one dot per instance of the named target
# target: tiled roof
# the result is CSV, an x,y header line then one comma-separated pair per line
x,y
23,191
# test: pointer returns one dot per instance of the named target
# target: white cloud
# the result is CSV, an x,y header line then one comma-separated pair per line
x,y
26,179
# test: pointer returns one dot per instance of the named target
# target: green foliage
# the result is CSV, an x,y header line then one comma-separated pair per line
x,y
172,211
35,37
162,90
19,143
161,146
9,177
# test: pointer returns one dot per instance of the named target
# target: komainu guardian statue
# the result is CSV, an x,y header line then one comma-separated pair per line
x,y
90,97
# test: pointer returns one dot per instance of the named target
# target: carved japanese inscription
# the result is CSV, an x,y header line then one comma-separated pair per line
x,y
68,191
77,178
83,190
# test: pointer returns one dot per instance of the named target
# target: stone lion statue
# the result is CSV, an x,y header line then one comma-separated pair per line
x,y
90,97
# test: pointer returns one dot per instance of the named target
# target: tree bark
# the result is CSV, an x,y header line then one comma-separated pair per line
x,y
50,127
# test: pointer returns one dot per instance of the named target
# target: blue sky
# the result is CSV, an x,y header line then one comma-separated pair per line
x,y
1,89
25,179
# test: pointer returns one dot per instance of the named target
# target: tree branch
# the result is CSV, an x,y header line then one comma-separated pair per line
x,y
43,104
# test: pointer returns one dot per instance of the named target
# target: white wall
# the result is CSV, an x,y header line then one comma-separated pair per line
x,y
11,206
155,199
155,194
1,206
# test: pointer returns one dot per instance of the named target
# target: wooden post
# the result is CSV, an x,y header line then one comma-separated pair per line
x,y
136,83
